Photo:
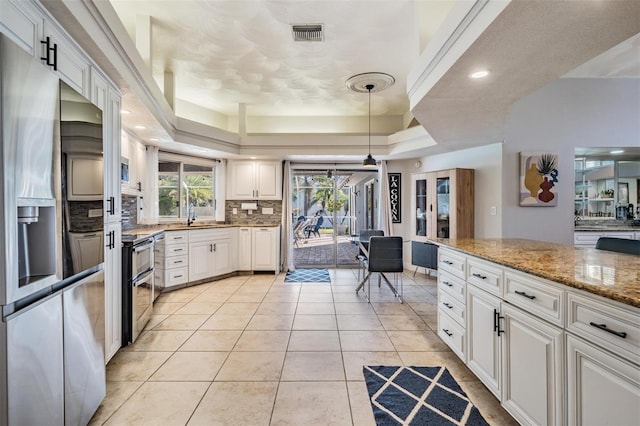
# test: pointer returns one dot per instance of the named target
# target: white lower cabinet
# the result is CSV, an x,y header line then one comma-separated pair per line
x,y
266,249
532,367
551,354
602,389
113,289
245,248
209,253
483,348
171,260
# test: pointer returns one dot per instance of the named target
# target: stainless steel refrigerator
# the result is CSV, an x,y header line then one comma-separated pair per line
x,y
52,304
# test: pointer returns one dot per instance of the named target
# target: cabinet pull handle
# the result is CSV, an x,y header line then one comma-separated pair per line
x,y
177,238
482,277
447,283
140,186
178,276
496,322
112,204
177,261
604,327
52,63
214,247
448,262
447,332
448,305
210,247
89,236
109,239
176,250
430,207
523,294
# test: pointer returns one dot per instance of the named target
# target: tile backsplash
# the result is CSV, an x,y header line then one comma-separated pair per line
x,y
129,212
256,217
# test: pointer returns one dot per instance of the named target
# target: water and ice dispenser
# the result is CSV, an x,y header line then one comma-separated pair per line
x,y
36,243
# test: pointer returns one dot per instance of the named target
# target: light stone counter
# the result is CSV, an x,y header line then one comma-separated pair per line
x,y
608,274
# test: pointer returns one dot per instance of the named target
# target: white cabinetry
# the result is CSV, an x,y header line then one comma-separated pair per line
x,y
259,249
266,249
245,247
134,155
171,260
589,239
491,320
113,289
210,253
254,180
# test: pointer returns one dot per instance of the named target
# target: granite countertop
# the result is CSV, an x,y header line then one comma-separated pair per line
x,y
597,228
612,275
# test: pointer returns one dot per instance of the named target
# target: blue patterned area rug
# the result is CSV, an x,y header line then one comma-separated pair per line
x,y
418,396
308,276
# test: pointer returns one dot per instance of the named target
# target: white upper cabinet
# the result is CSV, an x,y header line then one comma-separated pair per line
x,y
254,180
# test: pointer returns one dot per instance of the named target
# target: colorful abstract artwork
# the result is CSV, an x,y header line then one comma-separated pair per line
x,y
538,179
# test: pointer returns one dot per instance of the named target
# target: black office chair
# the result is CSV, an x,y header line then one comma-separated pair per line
x,y
385,255
619,245
364,236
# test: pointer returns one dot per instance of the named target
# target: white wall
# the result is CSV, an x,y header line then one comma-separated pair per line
x,y
487,164
565,114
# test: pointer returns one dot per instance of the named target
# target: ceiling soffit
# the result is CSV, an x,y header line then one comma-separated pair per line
x,y
528,45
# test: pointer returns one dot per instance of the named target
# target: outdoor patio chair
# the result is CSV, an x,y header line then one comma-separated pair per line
x,y
314,227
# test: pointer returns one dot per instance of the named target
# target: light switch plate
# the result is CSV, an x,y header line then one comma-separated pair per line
x,y
267,210
235,210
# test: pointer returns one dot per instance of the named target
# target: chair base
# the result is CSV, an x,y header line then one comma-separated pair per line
x,y
381,276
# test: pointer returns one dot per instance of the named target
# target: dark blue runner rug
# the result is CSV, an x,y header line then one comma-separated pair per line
x,y
308,276
418,396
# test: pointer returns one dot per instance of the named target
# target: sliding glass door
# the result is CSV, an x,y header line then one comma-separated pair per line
x,y
328,206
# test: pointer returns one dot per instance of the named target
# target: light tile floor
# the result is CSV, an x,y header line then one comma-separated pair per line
x,y
254,350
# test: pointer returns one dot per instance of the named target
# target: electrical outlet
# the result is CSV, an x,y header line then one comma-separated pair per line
x,y
267,210
94,213
235,210
494,210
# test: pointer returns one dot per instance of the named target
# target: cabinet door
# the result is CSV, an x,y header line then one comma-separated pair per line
x,y
22,24
483,343
419,215
113,290
268,180
602,388
532,360
242,180
221,257
73,67
441,199
244,249
264,249
200,260
111,146
140,166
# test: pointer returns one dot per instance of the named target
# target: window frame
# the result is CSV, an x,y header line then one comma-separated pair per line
x,y
182,160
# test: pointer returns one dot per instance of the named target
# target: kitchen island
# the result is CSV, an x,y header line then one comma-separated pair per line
x,y
552,330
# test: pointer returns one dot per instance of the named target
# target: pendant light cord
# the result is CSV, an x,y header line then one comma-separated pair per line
x,y
369,87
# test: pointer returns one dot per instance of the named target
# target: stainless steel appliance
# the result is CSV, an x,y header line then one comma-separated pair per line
x,y
137,283
52,329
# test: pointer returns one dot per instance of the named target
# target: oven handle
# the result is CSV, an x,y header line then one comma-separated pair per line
x,y
143,245
143,277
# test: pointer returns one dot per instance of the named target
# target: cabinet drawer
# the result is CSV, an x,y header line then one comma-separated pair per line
x,y
176,276
535,295
452,334
610,325
484,275
176,262
175,250
454,286
175,237
453,308
452,262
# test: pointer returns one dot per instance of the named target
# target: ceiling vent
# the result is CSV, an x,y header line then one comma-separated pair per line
x,y
307,32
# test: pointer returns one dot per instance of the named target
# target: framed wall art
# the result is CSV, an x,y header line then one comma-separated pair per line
x,y
538,179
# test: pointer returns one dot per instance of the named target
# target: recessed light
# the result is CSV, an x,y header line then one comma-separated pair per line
x,y
479,74
617,151
153,139
140,127
253,158
125,111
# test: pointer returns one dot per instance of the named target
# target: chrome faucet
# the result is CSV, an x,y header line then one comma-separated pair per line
x,y
191,214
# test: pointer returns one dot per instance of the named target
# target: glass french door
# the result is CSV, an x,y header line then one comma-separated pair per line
x,y
324,206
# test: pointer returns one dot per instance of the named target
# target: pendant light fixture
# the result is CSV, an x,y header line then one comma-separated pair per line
x,y
370,82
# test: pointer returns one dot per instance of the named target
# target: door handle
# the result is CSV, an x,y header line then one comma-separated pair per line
x,y
112,205
48,50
